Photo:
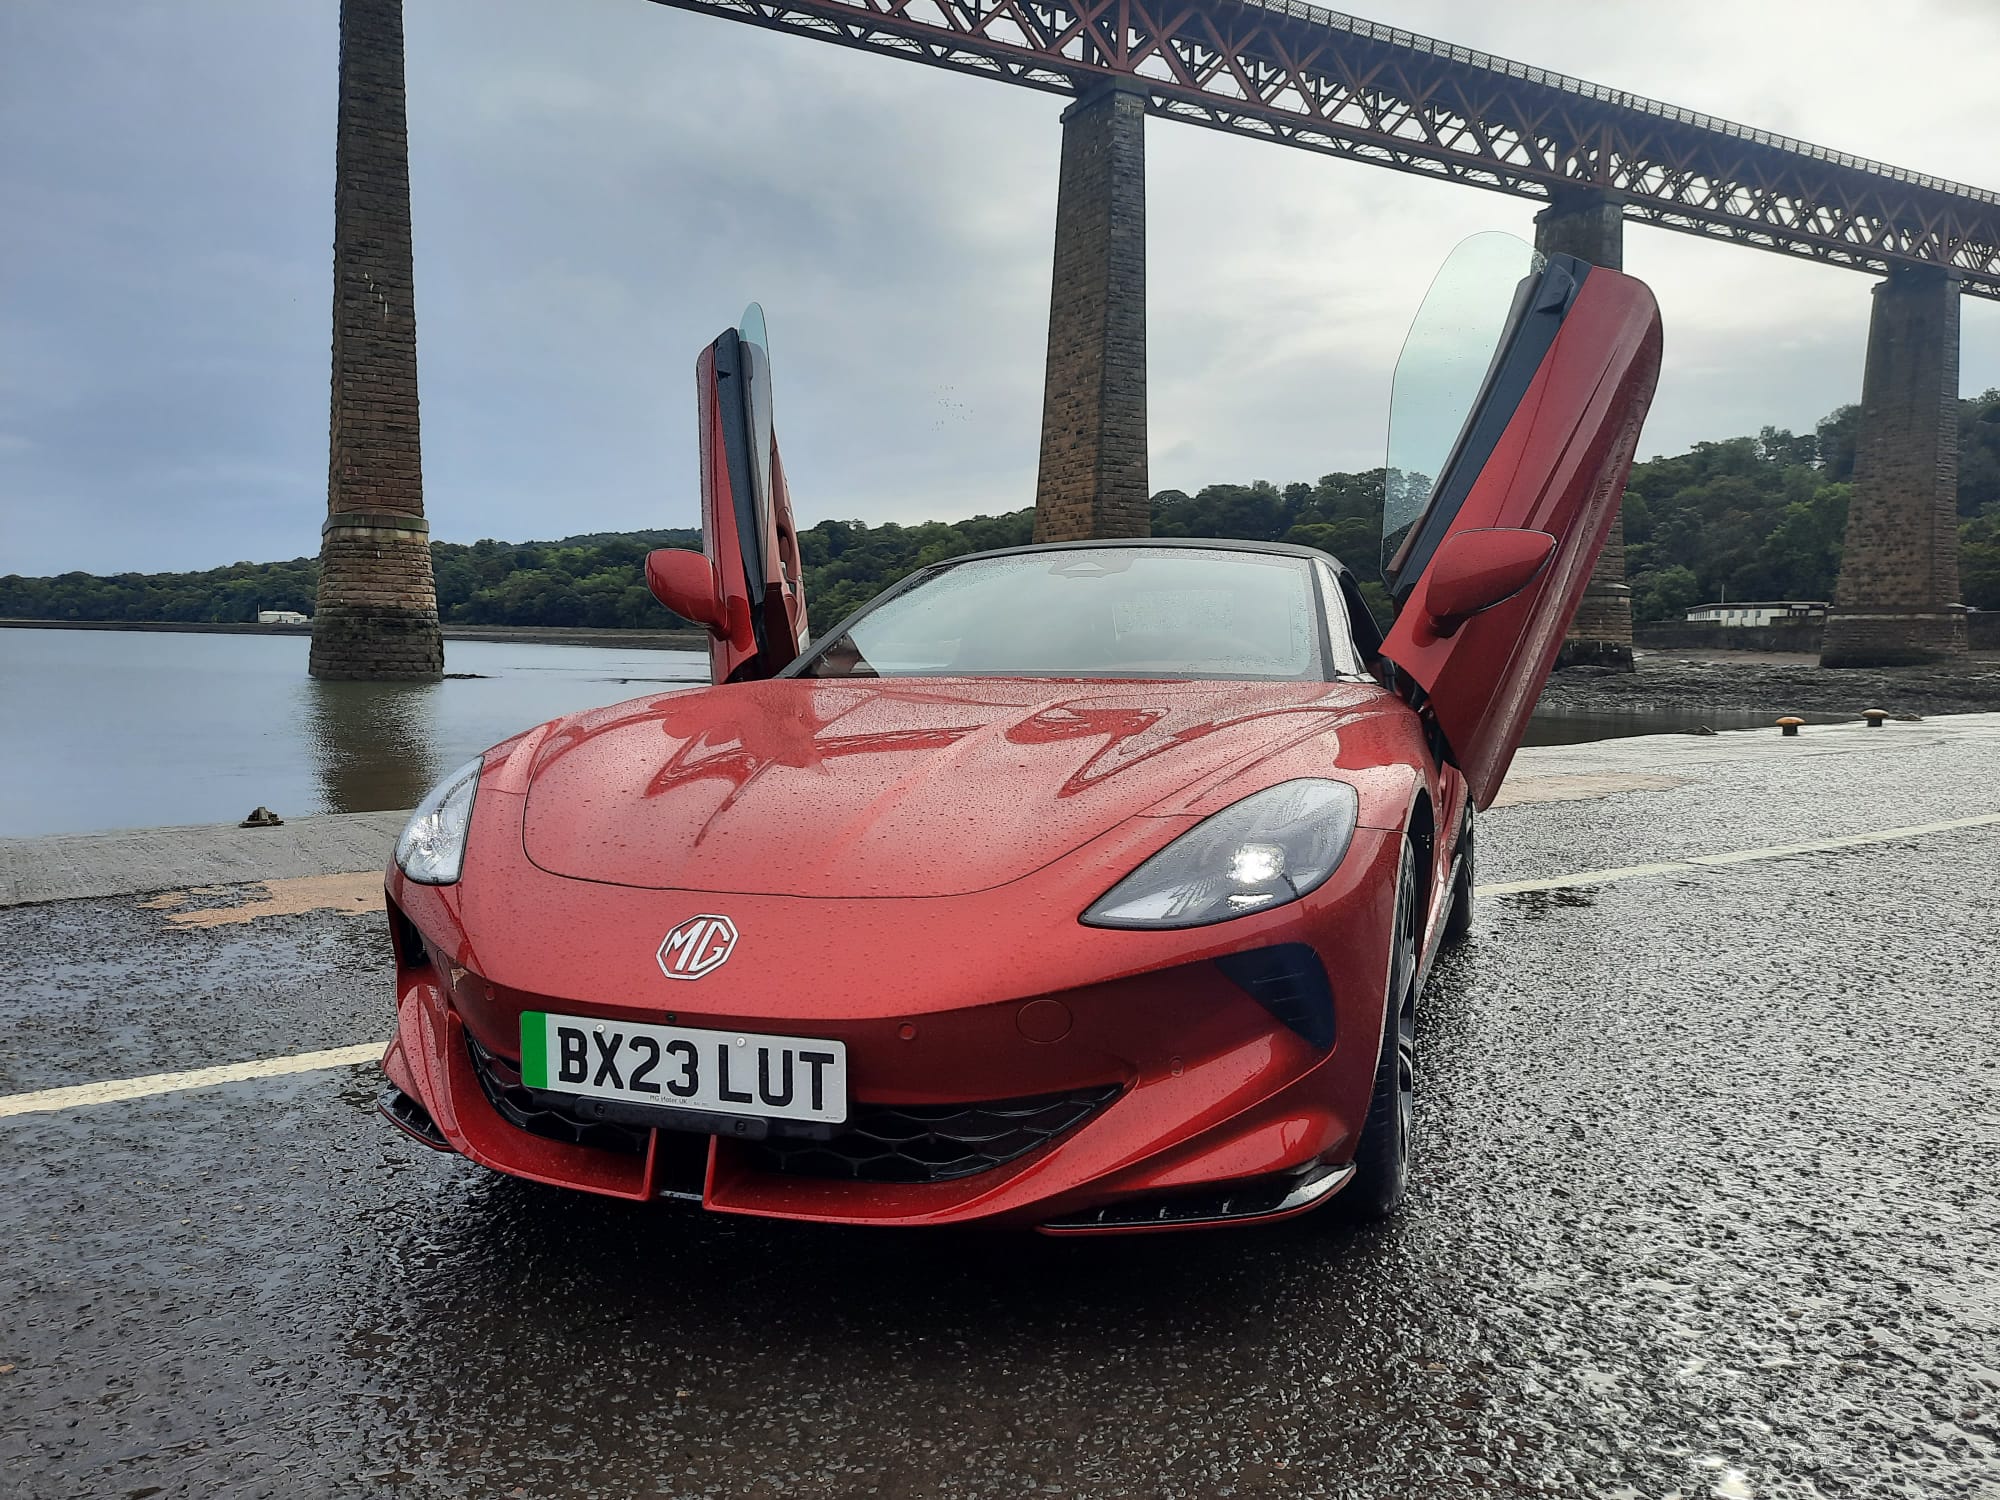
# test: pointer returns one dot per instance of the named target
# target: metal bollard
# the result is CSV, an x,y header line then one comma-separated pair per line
x,y
1874,716
1789,726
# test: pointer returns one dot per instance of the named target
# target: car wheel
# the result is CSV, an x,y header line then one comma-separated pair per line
x,y
1382,1160
1458,926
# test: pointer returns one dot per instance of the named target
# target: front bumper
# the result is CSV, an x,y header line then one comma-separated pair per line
x,y
1131,1100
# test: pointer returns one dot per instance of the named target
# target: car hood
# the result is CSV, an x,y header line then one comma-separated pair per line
x,y
904,787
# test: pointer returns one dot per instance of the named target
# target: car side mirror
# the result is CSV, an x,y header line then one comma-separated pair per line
x,y
685,582
1475,570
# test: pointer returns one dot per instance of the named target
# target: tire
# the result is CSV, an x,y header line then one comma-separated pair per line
x,y
1382,1159
1458,926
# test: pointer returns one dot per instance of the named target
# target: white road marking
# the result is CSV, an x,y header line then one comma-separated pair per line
x,y
45,1100
48,1100
1737,856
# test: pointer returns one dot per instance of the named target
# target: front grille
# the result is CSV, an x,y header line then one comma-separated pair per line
x,y
879,1142
933,1142
537,1114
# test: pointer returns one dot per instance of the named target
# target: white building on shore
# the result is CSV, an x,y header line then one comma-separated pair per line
x,y
1759,611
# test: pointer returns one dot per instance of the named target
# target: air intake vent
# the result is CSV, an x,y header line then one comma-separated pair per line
x,y
1290,982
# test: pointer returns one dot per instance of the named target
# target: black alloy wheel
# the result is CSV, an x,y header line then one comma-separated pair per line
x,y
1382,1160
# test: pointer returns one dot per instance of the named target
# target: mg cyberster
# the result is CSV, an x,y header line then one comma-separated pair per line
x,y
1086,887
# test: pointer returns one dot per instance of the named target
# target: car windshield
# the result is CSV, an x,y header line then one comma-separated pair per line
x,y
1093,612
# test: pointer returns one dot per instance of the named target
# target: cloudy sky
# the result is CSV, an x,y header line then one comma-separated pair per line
x,y
600,185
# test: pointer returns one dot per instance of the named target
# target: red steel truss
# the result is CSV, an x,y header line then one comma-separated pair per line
x,y
1329,82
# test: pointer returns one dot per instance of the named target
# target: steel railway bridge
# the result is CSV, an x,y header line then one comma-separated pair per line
x,y
1296,75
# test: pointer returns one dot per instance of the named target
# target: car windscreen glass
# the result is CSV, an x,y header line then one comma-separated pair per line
x,y
1093,612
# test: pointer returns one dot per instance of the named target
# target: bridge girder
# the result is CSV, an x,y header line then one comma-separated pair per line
x,y
1327,82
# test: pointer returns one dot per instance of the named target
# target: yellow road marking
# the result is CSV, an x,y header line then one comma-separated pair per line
x,y
81,1095
45,1100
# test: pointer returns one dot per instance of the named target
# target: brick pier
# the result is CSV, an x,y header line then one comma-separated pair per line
x,y
377,610
1897,600
1591,226
1093,479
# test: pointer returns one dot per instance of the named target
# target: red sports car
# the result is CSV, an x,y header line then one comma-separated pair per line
x,y
1086,887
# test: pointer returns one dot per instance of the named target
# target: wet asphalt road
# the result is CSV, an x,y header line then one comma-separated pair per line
x,y
1707,1205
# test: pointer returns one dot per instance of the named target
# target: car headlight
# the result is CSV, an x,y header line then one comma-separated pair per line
x,y
1272,847
432,848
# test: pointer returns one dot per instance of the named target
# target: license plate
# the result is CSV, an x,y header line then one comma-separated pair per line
x,y
680,1067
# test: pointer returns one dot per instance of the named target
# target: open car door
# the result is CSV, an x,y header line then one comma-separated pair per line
x,y
1516,409
746,587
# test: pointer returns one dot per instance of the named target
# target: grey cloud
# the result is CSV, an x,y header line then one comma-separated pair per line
x,y
600,187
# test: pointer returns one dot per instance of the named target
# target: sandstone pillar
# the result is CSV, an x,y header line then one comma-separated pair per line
x,y
1897,599
1591,226
1093,471
377,610
1585,223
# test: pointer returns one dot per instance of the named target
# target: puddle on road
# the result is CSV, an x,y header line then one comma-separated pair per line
x,y
361,1088
1536,904
1582,787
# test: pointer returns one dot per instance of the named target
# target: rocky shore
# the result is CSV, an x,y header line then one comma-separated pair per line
x,y
1759,681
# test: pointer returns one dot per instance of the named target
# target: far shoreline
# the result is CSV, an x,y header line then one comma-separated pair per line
x,y
1668,680
534,635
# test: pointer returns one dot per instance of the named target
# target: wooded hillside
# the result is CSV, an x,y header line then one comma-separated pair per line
x,y
1748,517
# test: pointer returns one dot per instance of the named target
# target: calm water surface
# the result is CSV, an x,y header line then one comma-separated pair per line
x,y
131,729
128,728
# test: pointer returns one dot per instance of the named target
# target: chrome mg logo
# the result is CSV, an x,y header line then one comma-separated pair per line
x,y
697,947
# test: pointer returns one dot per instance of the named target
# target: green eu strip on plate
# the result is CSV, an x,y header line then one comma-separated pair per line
x,y
535,1049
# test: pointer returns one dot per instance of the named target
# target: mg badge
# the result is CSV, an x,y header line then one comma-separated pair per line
x,y
697,946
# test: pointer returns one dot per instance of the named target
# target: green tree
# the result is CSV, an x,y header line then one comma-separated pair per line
x,y
1665,594
1979,453
1751,516
1837,431
1979,559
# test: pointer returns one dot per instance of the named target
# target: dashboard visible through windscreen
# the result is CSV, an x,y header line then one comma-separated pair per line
x,y
1131,611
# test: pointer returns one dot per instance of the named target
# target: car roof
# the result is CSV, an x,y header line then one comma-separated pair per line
x,y
1207,544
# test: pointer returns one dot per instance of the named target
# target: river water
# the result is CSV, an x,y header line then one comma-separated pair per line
x,y
128,729
131,728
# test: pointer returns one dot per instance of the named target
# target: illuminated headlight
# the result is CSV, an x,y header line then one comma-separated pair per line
x,y
1272,847
432,848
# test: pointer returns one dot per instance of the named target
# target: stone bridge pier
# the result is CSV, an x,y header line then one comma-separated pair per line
x,y
1897,599
1093,480
377,610
1591,226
